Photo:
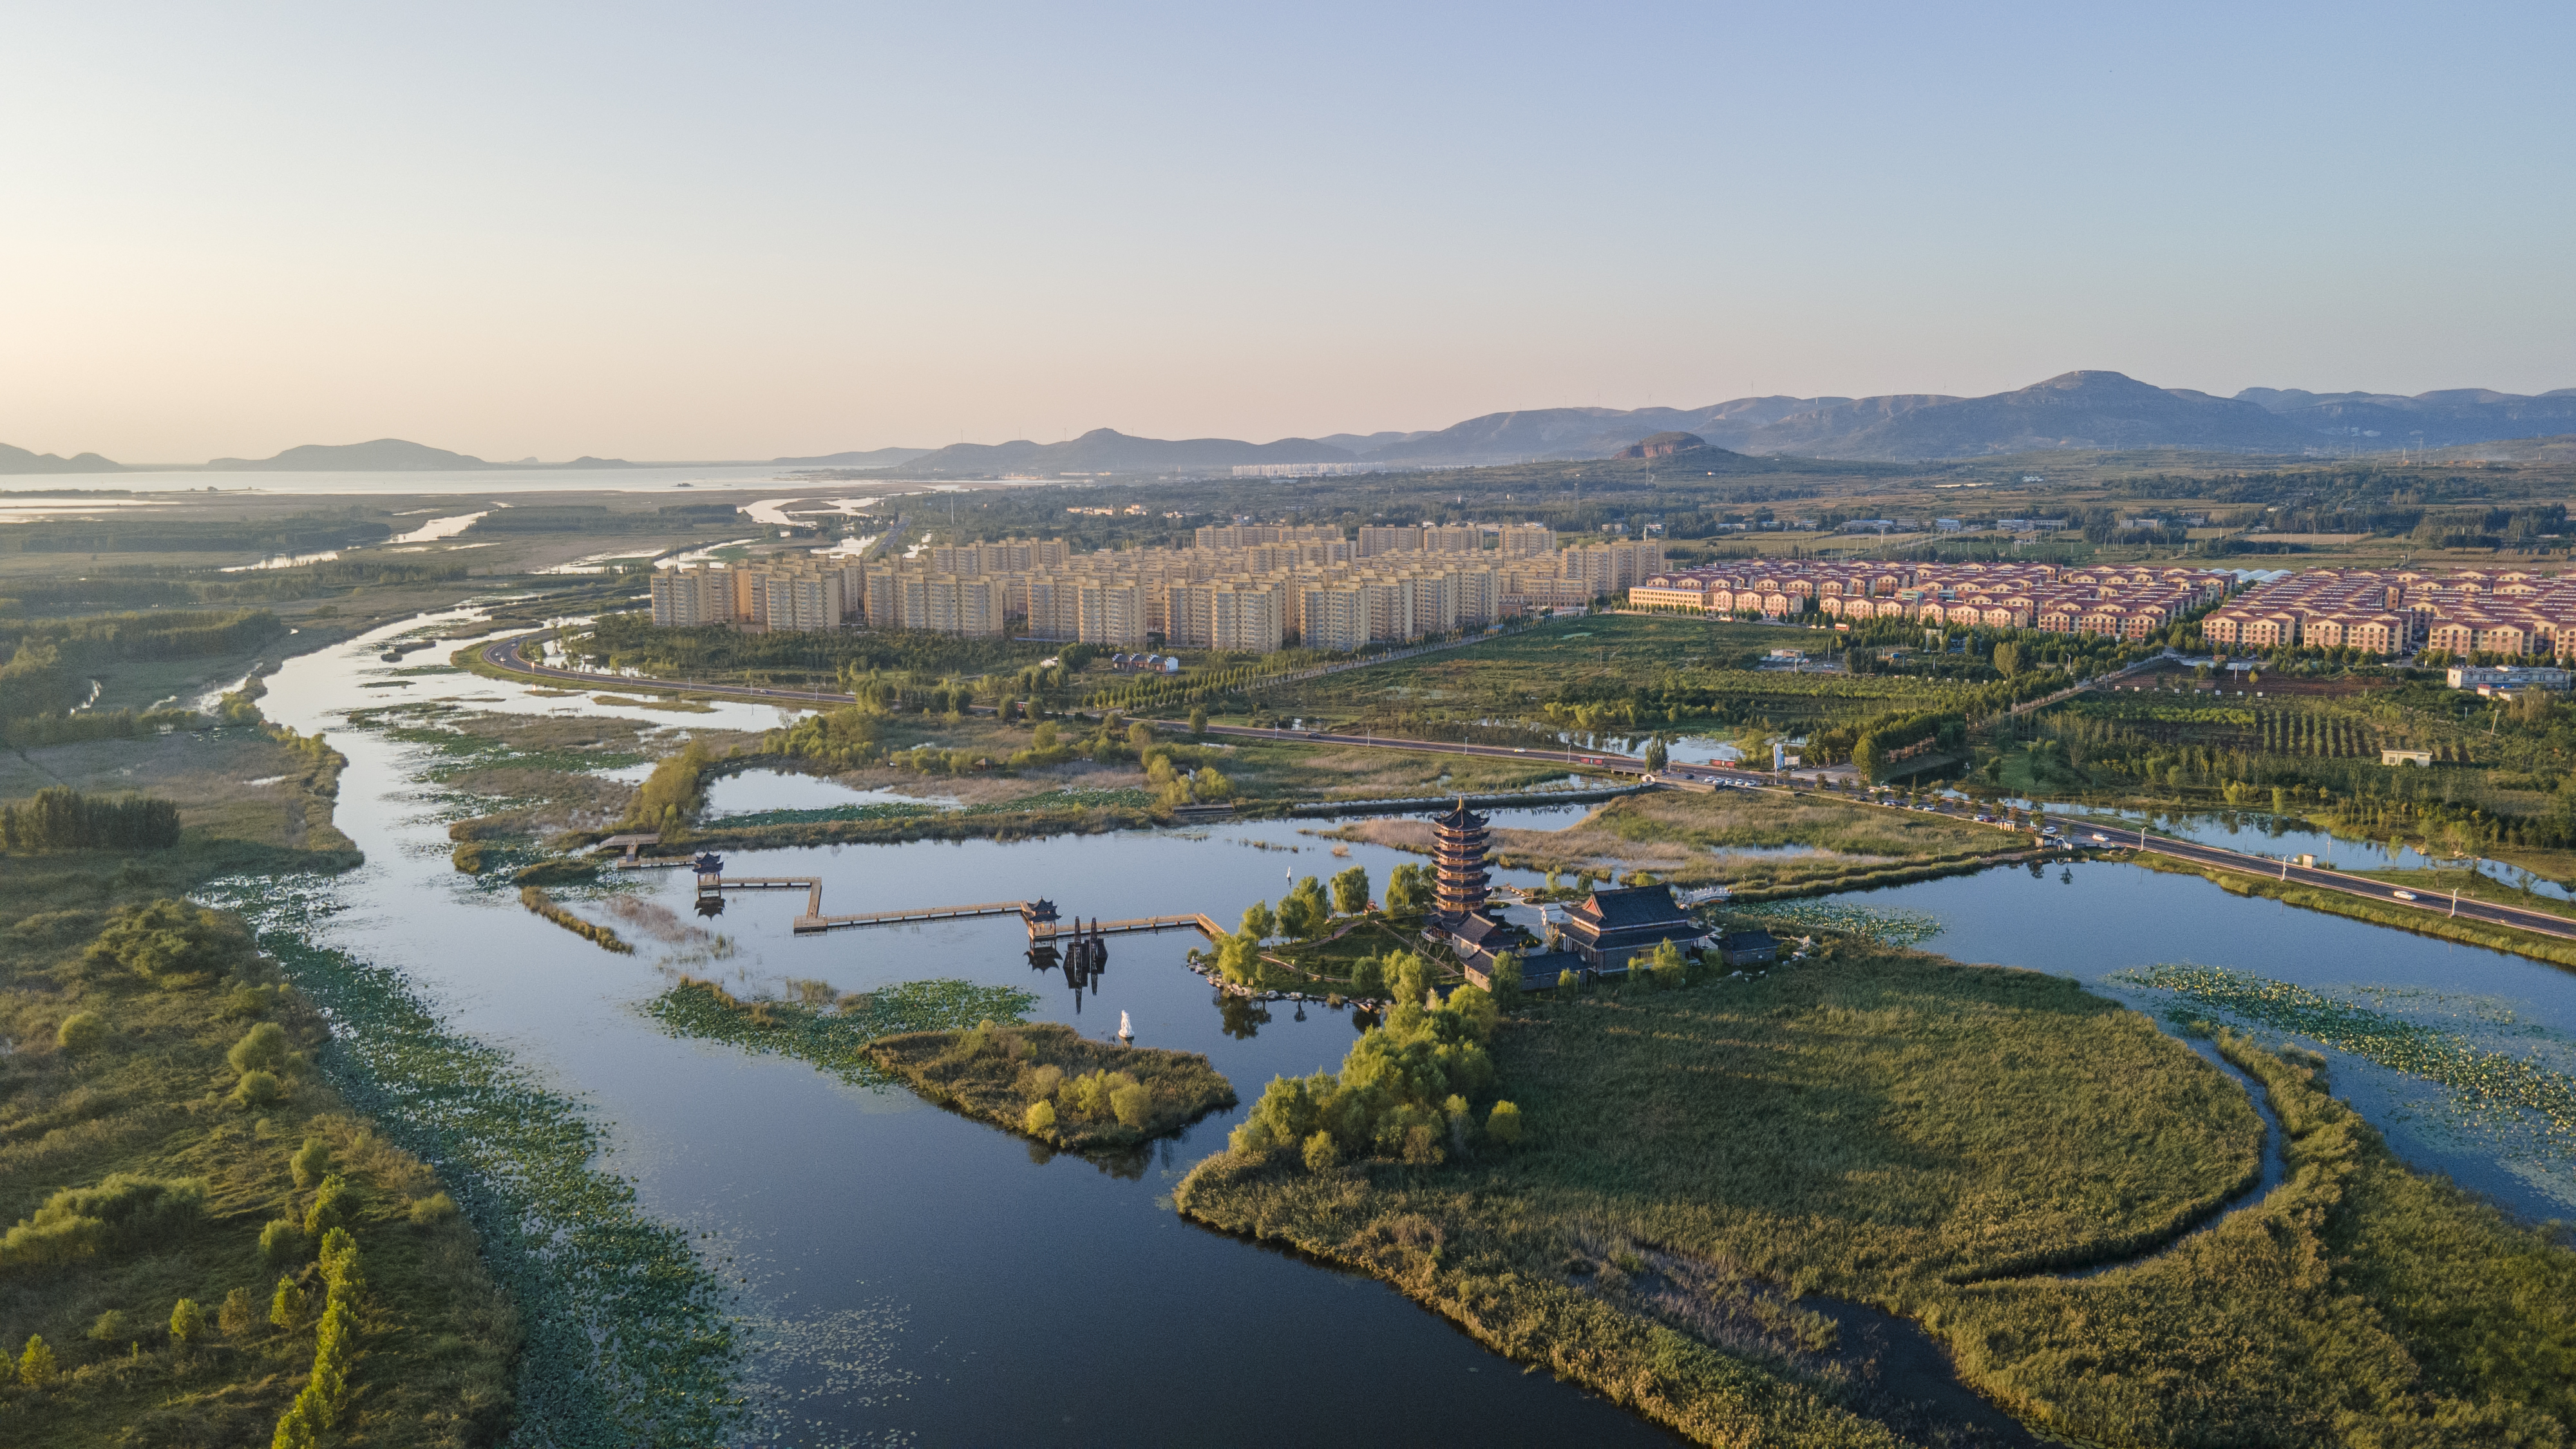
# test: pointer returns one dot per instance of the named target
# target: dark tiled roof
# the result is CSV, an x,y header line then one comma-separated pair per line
x,y
1462,818
1746,941
1632,907
1477,928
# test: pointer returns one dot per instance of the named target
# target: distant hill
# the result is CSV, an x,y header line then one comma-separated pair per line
x,y
2444,419
2070,410
384,455
872,458
19,460
1106,450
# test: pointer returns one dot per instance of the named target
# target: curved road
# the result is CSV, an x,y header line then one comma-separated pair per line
x,y
504,655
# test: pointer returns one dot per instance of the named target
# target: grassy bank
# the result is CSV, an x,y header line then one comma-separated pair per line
x,y
1046,1082
1871,1124
2335,903
832,1031
1889,1128
153,1087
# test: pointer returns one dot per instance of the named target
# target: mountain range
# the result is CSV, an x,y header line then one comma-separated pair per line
x,y
2087,410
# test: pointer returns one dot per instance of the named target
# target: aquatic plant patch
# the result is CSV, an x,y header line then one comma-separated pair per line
x,y
1885,925
836,1039
879,810
2511,1090
628,1342
1048,1082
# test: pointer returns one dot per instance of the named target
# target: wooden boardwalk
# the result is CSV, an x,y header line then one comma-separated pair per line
x,y
814,922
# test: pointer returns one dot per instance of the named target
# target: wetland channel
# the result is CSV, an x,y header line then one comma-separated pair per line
x,y
907,1275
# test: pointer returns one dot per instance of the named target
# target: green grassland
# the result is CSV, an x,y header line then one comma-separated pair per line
x,y
156,1097
1048,1082
1932,1139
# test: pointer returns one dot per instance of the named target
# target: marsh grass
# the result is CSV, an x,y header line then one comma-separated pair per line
x,y
1871,1124
437,1338
833,1036
998,1074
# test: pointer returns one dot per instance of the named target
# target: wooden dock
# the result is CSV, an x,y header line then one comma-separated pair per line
x,y
1043,924
814,920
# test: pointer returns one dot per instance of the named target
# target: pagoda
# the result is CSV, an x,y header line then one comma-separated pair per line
x,y
1458,858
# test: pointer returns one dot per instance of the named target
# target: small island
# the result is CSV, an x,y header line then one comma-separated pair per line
x,y
1049,1083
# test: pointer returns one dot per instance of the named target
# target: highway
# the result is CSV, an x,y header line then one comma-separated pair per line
x,y
2426,898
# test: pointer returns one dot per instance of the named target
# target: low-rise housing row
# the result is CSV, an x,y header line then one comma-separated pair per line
x,y
2509,612
2125,602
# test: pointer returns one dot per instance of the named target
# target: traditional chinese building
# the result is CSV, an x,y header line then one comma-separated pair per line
x,y
1609,926
1458,859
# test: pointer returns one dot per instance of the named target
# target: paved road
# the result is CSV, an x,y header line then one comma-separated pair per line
x,y
2439,903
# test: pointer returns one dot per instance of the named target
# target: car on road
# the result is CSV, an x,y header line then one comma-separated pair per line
x,y
2098,835
2405,895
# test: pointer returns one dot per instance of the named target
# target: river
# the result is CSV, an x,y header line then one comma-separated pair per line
x,y
910,1276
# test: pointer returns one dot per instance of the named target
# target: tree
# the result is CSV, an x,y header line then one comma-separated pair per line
x,y
187,1321
1133,1102
287,1308
310,1163
1351,890
82,1032
2008,659
1503,1124
239,1312
1667,966
1408,891
1140,735
1039,1120
1322,1155
1506,976
1567,983
1304,913
36,1365
1198,720
281,1243
335,1203
1655,754
1408,980
1258,922
262,1049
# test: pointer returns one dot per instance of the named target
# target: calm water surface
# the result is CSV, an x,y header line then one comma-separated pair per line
x,y
912,1276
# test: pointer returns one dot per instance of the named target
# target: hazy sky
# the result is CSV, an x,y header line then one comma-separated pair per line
x,y
742,231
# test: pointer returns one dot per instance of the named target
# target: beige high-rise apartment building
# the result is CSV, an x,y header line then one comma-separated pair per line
x,y
1333,616
1375,542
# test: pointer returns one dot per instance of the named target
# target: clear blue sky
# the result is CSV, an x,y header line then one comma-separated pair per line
x,y
664,231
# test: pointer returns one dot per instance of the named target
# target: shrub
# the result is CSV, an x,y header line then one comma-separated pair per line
x,y
286,1309
262,1049
36,1364
1043,1081
310,1163
187,1321
1251,1139
335,1203
81,1032
249,1002
238,1314
1133,1104
80,1222
429,1211
281,1243
1567,983
1503,1124
173,944
109,1327
1321,1154
1039,1119
258,1089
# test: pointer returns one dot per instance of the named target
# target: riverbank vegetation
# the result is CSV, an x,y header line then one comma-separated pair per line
x,y
831,1030
168,1152
1048,1082
1936,1140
